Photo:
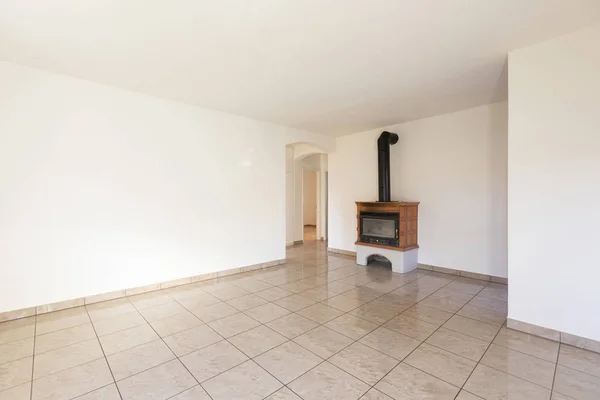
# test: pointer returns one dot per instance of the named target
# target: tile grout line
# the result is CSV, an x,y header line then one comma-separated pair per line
x,y
357,341
479,362
423,341
292,340
555,370
240,350
33,357
103,353
165,343
227,340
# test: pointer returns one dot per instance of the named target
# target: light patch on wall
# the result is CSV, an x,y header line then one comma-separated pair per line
x,y
247,162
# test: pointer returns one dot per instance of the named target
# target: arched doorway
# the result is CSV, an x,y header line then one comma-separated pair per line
x,y
306,205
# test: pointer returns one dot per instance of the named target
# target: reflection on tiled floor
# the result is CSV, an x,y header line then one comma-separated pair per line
x,y
320,327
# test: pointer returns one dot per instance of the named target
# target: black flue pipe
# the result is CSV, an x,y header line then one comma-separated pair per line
x,y
383,159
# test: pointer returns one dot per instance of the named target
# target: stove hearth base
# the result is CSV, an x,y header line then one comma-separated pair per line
x,y
402,261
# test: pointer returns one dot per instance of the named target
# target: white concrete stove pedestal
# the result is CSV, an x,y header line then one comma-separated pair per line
x,y
402,261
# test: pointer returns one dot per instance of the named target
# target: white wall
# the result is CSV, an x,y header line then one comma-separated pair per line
x,y
454,164
289,195
103,189
309,194
554,183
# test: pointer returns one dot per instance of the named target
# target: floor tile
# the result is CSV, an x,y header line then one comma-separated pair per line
x,y
123,340
150,299
459,343
411,327
119,323
575,384
283,394
382,287
15,373
323,341
491,304
158,383
492,384
495,291
213,312
521,365
558,396
528,344
162,311
320,313
363,293
138,359
195,393
287,361
398,303
267,312
343,303
233,324
258,340
65,337
375,394
363,362
292,325
19,329
228,292
175,324
252,285
447,304
357,280
483,315
392,343
212,360
273,294
318,293
184,291
470,327
294,302
21,392
579,359
198,300
406,382
464,395
109,309
427,314
109,392
328,382
66,357
16,350
193,339
300,286
466,285
247,381
58,320
73,382
246,302
442,364
351,326
376,311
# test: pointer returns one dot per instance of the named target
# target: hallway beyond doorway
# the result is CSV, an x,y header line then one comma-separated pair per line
x,y
310,233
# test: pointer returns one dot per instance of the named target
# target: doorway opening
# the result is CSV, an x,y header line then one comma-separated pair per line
x,y
306,193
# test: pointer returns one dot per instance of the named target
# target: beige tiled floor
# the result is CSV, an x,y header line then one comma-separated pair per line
x,y
320,327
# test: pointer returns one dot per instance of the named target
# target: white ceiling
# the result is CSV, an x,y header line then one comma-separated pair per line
x,y
327,66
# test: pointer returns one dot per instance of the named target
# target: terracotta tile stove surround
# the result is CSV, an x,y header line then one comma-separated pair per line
x,y
388,229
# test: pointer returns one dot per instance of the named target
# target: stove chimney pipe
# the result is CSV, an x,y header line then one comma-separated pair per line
x,y
383,159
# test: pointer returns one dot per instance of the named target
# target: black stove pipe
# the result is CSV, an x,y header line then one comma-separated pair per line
x,y
383,159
